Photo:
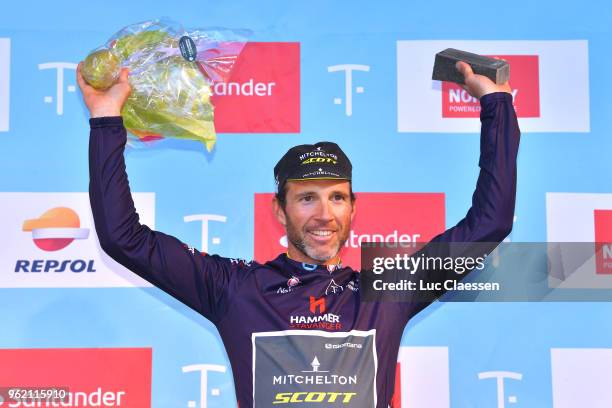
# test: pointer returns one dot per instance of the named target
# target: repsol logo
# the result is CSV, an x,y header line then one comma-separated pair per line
x,y
51,265
319,160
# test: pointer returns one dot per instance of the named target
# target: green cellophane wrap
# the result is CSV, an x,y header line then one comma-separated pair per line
x,y
171,87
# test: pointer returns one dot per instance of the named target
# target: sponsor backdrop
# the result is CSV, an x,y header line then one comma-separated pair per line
x,y
351,72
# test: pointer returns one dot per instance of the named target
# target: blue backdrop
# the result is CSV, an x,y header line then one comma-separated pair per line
x,y
44,151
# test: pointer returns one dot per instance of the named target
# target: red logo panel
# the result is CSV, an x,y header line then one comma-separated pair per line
x,y
525,82
391,217
108,377
263,92
603,241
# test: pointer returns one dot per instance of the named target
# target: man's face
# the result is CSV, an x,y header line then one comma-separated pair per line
x,y
317,217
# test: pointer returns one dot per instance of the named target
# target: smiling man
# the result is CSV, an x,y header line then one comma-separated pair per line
x,y
314,201
295,329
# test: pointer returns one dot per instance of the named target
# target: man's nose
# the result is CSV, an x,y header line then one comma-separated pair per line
x,y
324,212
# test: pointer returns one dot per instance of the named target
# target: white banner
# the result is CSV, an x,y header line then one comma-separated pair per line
x,y
542,72
49,240
581,377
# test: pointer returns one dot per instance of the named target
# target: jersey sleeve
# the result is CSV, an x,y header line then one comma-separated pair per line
x,y
200,281
491,214
490,217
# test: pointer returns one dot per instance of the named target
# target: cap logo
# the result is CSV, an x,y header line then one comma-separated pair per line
x,y
320,173
311,160
318,154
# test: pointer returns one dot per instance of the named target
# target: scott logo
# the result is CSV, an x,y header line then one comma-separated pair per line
x,y
312,397
319,160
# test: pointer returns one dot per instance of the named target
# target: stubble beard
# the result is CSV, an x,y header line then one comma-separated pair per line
x,y
296,237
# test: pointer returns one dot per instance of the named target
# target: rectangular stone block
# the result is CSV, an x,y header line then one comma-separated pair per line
x,y
444,66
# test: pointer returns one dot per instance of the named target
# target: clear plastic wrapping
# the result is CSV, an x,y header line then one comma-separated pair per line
x,y
172,73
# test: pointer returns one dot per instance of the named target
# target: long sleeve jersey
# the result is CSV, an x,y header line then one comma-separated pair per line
x,y
296,334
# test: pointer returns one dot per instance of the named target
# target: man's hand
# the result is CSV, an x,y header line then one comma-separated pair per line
x,y
479,85
107,102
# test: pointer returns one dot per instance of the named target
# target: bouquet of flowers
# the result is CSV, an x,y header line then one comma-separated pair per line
x,y
172,73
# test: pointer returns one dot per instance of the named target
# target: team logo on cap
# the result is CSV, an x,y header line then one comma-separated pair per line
x,y
55,229
327,160
318,156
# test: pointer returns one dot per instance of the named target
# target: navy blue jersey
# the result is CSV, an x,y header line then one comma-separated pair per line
x,y
296,334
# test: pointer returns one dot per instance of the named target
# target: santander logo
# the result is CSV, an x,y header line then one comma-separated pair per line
x,y
55,229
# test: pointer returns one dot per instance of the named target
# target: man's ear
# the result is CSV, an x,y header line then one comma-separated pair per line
x,y
279,213
353,209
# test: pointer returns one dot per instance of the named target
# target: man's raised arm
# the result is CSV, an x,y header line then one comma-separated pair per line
x,y
490,217
200,281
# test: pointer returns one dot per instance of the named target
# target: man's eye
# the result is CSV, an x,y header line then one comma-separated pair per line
x,y
306,198
339,197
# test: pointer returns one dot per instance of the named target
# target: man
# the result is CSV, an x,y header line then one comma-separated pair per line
x,y
294,328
